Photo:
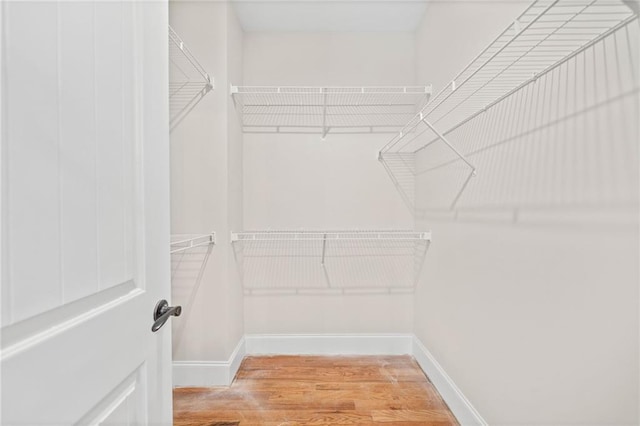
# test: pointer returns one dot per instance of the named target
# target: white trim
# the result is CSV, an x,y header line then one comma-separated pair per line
x,y
236,358
209,373
204,373
329,344
459,405
222,373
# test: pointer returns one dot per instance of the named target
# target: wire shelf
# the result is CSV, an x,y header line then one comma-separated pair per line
x,y
544,34
184,242
537,144
324,110
550,86
332,261
357,235
189,82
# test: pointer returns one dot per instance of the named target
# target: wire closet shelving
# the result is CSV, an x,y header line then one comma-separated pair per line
x,y
325,110
341,262
189,82
184,242
547,34
544,34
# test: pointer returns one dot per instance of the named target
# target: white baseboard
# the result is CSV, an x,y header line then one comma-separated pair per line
x,y
209,373
236,358
222,373
328,344
455,399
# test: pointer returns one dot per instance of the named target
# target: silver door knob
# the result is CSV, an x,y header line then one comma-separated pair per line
x,y
162,312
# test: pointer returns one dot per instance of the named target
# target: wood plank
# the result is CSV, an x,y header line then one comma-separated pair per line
x,y
317,390
384,416
276,361
334,374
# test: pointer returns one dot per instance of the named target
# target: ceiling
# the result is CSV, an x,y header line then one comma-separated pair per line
x,y
330,15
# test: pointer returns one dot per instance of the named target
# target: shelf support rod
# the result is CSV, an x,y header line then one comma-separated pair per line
x,y
324,248
462,188
325,130
443,139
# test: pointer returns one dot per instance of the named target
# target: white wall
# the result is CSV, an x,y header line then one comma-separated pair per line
x,y
235,184
206,189
300,181
529,298
531,308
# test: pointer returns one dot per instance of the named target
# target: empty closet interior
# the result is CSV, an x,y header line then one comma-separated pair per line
x,y
460,177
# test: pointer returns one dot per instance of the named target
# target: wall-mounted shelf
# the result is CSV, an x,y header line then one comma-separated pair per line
x,y
349,235
334,261
189,82
184,242
549,34
327,110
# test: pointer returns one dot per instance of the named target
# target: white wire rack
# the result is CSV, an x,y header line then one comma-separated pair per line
x,y
549,38
184,242
547,32
296,235
188,80
335,261
324,110
538,144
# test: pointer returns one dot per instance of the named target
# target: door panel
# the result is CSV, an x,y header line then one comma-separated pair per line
x,y
85,225
113,206
121,407
77,157
32,131
36,378
70,179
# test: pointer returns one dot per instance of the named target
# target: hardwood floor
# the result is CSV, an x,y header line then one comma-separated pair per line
x,y
317,390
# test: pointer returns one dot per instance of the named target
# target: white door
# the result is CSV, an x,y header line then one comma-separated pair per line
x,y
85,212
